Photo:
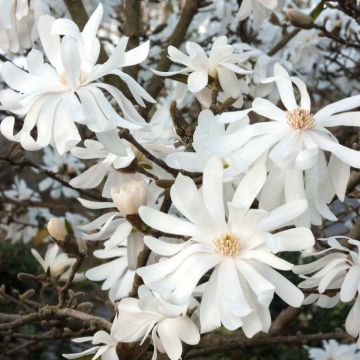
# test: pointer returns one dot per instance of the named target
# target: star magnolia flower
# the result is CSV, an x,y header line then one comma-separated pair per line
x,y
295,140
67,165
122,245
338,270
18,23
207,130
333,350
54,96
259,9
239,250
167,323
56,263
107,167
222,63
105,345
20,191
122,248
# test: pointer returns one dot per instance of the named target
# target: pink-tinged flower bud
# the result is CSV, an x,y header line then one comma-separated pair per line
x,y
130,196
300,19
57,229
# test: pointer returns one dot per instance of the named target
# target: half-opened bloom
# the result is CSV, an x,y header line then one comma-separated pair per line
x,y
120,251
122,244
108,166
338,269
105,345
18,22
237,247
168,324
54,96
56,263
222,63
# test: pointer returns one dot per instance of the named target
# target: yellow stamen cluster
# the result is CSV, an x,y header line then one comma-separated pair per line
x,y
227,244
300,119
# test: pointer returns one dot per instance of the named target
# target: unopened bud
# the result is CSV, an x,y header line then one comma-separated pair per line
x,y
57,229
130,196
300,19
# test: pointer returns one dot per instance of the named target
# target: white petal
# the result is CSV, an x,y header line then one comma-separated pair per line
x,y
197,80
213,191
137,55
269,110
283,215
166,223
285,87
350,285
249,187
349,156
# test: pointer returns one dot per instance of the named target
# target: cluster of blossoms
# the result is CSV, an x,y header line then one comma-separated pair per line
x,y
214,215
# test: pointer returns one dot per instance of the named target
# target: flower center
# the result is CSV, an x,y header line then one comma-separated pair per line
x,y
300,119
227,244
64,79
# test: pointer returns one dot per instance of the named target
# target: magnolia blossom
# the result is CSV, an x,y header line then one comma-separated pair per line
x,y
339,270
56,263
295,141
121,251
238,248
259,9
332,350
18,23
105,345
108,166
117,160
122,244
67,165
208,129
54,96
20,191
222,64
168,324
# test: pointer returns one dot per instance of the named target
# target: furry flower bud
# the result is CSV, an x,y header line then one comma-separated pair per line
x,y
300,19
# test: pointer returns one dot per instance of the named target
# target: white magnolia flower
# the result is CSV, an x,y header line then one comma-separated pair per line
x,y
121,250
20,191
109,166
168,324
222,63
56,262
333,350
339,270
208,129
259,9
105,345
296,141
66,165
304,50
122,245
54,96
237,245
18,20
